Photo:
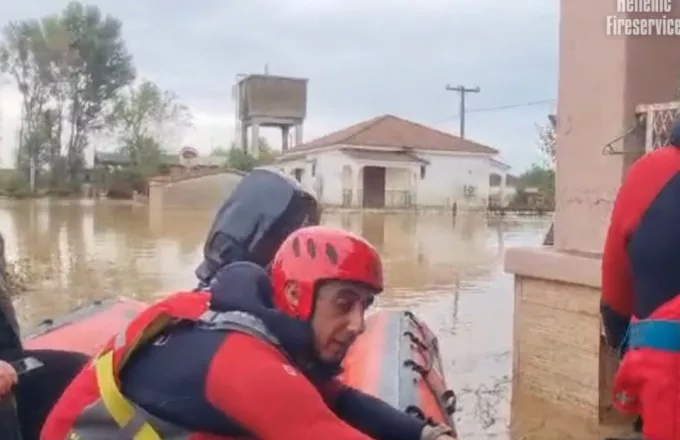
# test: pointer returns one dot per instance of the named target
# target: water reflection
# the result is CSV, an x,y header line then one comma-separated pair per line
x,y
447,270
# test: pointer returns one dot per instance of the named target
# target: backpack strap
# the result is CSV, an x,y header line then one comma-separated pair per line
x,y
238,321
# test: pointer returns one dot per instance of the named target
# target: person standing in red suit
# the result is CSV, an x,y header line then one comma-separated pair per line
x,y
640,304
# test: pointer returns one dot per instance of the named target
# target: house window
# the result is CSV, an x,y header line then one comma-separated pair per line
x,y
314,168
422,171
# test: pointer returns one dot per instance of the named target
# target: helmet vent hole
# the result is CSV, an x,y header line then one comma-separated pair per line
x,y
311,248
296,246
332,254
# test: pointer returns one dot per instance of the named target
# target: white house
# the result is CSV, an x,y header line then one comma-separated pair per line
x,y
389,162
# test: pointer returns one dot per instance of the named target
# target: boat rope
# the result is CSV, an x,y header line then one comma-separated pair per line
x,y
448,398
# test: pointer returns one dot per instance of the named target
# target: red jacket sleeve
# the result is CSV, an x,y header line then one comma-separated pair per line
x,y
253,384
371,415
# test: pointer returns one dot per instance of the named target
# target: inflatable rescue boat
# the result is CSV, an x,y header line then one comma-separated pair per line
x,y
397,359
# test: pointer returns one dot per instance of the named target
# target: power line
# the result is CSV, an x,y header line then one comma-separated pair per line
x,y
499,108
462,91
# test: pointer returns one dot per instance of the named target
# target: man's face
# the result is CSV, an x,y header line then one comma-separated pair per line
x,y
339,317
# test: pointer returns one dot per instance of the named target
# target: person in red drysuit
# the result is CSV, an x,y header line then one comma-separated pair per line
x,y
253,358
640,304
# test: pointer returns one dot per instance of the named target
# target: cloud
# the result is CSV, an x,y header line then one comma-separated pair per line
x,y
363,58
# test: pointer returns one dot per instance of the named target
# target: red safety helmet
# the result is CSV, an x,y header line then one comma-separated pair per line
x,y
314,254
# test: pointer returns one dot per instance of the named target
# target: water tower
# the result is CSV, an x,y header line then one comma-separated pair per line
x,y
269,101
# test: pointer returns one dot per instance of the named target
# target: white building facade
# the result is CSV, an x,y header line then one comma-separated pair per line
x,y
374,174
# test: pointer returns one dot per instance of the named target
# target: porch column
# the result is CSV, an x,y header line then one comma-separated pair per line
x,y
415,178
504,177
357,172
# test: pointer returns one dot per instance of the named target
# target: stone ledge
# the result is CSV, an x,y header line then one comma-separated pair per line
x,y
548,263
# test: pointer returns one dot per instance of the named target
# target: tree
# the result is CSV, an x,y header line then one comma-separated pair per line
x,y
99,67
241,160
541,175
221,152
536,176
547,141
55,57
266,154
141,120
19,58
34,53
68,68
541,178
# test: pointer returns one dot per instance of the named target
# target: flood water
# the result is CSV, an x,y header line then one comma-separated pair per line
x,y
449,272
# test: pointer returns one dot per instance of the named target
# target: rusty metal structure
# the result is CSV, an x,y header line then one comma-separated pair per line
x,y
264,100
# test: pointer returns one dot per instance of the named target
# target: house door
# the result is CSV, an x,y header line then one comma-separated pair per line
x,y
374,187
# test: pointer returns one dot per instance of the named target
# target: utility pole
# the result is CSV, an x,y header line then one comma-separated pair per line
x,y
462,90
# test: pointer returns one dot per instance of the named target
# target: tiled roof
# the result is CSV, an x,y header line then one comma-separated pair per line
x,y
392,131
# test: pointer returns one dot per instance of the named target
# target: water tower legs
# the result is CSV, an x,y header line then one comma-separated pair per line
x,y
255,139
298,134
285,136
244,137
251,144
285,132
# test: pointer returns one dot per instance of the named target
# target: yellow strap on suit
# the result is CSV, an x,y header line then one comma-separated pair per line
x,y
118,406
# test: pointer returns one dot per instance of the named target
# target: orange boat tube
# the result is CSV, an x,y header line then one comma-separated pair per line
x,y
86,329
397,360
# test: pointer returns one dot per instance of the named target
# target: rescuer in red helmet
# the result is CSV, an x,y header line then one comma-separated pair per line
x,y
332,274
253,358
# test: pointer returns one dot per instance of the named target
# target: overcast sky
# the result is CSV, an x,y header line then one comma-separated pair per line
x,y
363,58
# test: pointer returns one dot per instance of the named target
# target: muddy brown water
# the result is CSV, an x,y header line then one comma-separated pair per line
x,y
448,271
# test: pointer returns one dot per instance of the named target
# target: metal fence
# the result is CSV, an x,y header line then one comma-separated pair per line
x,y
393,199
658,121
